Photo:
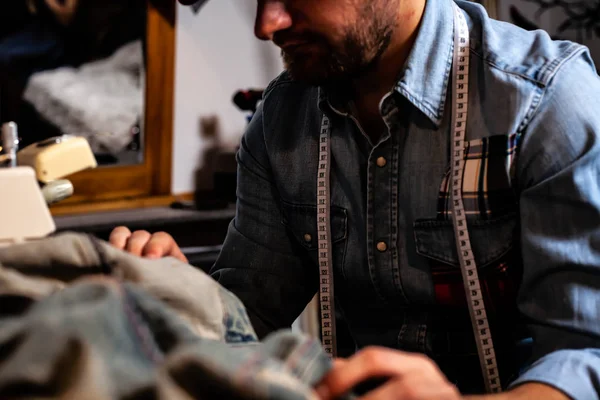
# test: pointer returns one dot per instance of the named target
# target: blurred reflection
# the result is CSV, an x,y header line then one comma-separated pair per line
x,y
75,67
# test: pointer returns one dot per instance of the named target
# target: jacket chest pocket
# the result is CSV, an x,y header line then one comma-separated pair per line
x,y
495,247
301,222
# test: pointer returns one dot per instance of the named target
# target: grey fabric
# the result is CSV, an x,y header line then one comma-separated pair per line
x,y
81,319
46,266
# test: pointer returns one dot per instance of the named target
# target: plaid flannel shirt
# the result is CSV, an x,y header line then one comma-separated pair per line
x,y
488,176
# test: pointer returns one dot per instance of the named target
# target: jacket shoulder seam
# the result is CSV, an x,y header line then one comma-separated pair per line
x,y
546,70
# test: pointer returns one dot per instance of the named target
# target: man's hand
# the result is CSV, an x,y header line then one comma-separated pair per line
x,y
63,10
144,244
410,376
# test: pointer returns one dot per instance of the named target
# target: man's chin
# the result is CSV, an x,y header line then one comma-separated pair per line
x,y
309,67
307,77
305,72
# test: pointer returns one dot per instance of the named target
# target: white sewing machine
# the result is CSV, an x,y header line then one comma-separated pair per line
x,y
32,178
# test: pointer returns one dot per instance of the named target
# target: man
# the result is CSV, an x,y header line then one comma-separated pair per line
x,y
380,70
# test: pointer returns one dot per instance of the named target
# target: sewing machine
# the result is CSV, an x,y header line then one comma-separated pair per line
x,y
33,178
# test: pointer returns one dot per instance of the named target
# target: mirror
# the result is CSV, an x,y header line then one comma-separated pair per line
x,y
76,67
144,176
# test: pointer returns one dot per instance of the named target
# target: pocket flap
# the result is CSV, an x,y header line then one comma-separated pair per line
x,y
301,220
490,239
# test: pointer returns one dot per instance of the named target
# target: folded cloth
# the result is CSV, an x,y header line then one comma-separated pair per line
x,y
39,268
80,319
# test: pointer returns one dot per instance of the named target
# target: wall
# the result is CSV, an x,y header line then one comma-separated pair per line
x,y
216,54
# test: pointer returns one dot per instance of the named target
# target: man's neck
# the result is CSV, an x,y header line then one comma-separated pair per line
x,y
370,88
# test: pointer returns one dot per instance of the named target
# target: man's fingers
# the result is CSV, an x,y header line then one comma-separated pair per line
x,y
56,5
119,236
414,386
144,244
178,254
162,244
339,362
369,364
159,245
137,241
394,389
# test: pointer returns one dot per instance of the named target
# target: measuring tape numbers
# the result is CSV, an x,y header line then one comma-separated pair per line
x,y
481,328
326,300
483,338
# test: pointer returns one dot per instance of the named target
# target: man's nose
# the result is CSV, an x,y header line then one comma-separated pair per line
x,y
271,17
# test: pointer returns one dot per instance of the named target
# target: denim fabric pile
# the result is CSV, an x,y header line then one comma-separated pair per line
x,y
80,319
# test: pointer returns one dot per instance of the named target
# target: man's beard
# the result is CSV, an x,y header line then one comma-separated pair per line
x,y
359,52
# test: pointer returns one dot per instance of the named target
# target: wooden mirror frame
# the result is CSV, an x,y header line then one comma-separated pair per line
x,y
147,183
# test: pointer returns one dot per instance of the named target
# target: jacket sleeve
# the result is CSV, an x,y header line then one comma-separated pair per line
x,y
559,176
259,262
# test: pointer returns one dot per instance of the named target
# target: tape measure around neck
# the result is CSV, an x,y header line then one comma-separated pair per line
x,y
460,82
326,299
460,103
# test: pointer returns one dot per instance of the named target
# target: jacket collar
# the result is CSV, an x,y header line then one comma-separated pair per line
x,y
424,79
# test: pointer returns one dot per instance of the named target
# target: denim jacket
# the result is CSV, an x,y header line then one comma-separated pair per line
x,y
80,319
532,199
